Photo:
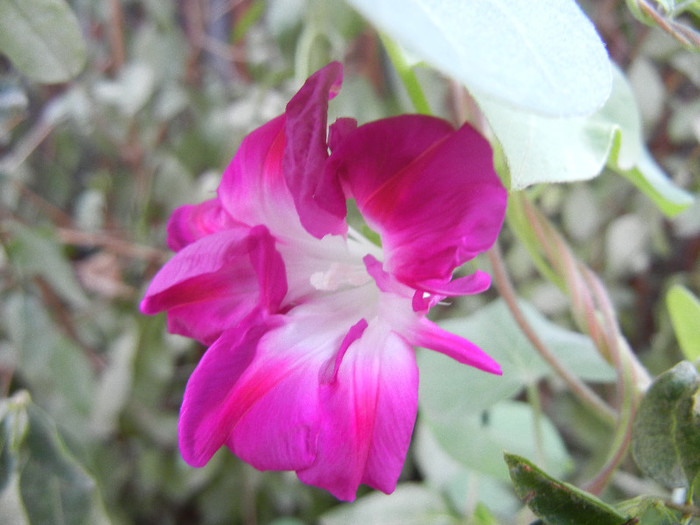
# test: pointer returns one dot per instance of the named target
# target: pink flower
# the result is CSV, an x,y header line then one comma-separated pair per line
x,y
311,326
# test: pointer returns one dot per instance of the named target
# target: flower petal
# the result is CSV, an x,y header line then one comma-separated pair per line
x,y
367,416
277,417
215,282
318,196
207,415
433,291
429,335
430,192
253,190
192,222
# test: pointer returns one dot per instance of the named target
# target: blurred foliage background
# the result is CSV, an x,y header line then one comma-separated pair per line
x,y
156,100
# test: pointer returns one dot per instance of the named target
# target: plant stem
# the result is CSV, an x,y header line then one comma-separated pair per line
x,y
407,75
578,387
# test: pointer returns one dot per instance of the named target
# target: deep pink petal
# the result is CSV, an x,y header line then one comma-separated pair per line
x,y
433,291
278,419
317,194
215,282
367,157
429,335
190,223
253,190
367,416
329,373
431,193
208,411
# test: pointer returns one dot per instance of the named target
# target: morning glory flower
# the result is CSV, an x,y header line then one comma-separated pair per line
x,y
310,326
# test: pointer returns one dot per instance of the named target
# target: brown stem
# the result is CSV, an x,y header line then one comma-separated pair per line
x,y
579,388
114,244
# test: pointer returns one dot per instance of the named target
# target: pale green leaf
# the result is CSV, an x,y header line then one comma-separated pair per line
x,y
477,441
684,308
410,504
36,252
446,387
42,38
542,149
115,383
54,487
652,181
461,485
541,56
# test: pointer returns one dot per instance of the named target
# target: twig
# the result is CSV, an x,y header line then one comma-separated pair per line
x,y
685,35
119,246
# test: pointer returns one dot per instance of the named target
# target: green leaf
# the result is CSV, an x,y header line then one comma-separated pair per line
x,y
114,387
540,56
478,441
666,430
557,502
42,38
541,149
54,486
410,504
649,178
56,371
684,308
13,429
35,252
448,388
482,516
461,484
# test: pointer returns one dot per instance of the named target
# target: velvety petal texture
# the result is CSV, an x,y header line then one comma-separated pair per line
x,y
430,192
310,326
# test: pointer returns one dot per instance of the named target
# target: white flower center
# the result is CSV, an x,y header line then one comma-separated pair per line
x,y
339,275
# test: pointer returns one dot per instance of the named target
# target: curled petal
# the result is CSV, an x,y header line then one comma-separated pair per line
x,y
317,194
215,282
433,291
430,192
191,222
429,335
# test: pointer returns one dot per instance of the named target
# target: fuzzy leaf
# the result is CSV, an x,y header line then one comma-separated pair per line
x,y
542,149
42,38
666,430
544,57
558,502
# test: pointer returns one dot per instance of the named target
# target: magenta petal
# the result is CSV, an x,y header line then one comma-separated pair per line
x,y
215,282
430,192
436,290
207,415
329,373
317,194
192,222
277,427
253,189
429,335
368,415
